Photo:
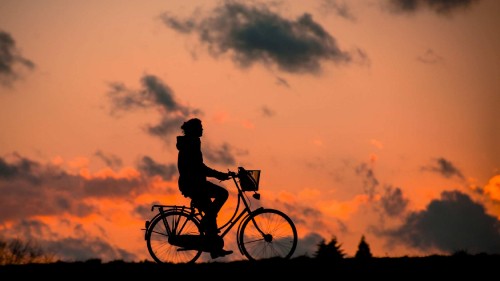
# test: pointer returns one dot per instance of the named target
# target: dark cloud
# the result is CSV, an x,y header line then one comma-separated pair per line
x,y
29,188
124,99
259,35
450,224
438,6
301,215
221,155
112,161
73,249
168,125
282,82
370,183
110,187
151,168
429,57
81,248
444,168
11,62
339,8
267,112
308,245
161,94
153,93
20,168
393,202
144,211
305,217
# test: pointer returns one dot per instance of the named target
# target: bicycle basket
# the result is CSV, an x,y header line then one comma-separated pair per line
x,y
249,179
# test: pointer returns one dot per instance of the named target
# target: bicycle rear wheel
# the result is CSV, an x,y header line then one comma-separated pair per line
x,y
267,233
173,223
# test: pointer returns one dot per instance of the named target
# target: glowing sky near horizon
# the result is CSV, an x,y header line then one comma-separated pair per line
x,y
374,118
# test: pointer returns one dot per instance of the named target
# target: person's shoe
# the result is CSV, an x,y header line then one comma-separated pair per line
x,y
220,253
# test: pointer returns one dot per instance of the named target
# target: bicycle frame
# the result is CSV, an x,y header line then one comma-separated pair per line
x,y
175,233
195,213
245,212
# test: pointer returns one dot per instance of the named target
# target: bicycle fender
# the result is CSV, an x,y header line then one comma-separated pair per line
x,y
186,210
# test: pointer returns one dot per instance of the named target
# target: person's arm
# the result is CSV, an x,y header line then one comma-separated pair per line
x,y
209,172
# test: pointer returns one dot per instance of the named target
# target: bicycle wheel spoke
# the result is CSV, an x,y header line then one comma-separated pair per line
x,y
268,233
159,233
248,241
157,238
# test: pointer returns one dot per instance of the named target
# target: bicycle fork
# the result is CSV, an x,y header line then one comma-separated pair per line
x,y
267,237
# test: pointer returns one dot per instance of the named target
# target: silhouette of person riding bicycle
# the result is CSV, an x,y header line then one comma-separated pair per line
x,y
180,234
193,181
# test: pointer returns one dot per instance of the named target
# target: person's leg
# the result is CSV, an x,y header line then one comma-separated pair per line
x,y
220,196
204,204
212,208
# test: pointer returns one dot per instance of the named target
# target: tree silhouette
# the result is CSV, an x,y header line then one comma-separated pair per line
x,y
330,251
363,250
17,251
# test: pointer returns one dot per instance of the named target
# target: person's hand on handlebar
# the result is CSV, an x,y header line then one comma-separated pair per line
x,y
223,176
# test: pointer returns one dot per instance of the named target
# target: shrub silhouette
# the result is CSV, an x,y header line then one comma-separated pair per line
x,y
17,251
331,251
363,251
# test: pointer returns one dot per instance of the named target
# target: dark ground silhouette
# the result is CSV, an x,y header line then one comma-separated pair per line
x,y
474,266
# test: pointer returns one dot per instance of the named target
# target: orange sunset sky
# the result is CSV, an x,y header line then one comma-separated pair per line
x,y
368,117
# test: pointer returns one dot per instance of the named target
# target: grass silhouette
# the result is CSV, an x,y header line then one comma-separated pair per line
x,y
300,267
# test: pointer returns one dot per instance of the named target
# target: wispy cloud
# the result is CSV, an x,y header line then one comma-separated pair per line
x,y
154,93
430,57
282,82
370,182
44,189
112,161
11,61
337,7
267,112
256,34
390,201
443,7
79,248
22,168
221,155
393,202
152,168
444,168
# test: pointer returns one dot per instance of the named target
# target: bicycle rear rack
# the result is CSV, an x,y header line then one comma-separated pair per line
x,y
161,209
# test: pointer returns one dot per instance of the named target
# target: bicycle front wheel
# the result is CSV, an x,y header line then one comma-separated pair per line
x,y
159,231
268,233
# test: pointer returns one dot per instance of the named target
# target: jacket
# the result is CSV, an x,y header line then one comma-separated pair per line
x,y
193,172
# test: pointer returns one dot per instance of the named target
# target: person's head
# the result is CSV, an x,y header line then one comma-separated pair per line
x,y
192,128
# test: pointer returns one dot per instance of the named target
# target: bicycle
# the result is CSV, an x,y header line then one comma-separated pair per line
x,y
174,234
